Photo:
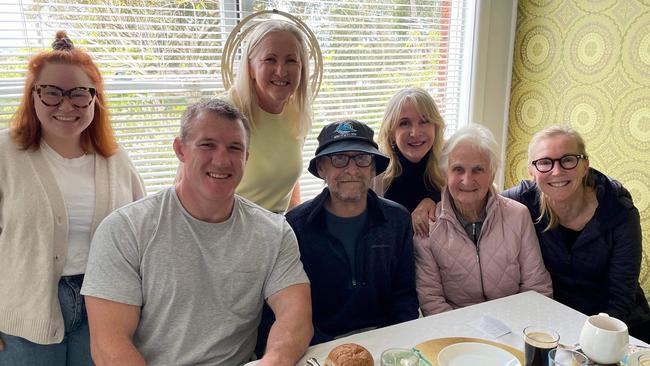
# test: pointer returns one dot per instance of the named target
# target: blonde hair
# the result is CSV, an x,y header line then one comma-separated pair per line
x,y
243,94
545,209
426,107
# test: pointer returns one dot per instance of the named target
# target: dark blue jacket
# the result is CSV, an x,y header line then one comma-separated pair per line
x,y
383,292
601,271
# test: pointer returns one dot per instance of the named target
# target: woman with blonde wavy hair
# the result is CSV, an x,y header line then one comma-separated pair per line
x,y
411,135
271,89
588,228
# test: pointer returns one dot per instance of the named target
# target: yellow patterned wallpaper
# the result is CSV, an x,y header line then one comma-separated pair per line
x,y
586,63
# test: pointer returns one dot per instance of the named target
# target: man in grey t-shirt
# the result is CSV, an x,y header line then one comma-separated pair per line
x,y
180,277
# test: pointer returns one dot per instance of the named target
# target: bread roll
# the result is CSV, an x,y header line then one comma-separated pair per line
x,y
349,354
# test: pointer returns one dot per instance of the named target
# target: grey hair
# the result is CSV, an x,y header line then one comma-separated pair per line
x,y
478,137
217,106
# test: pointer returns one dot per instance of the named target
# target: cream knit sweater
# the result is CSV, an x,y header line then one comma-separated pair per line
x,y
34,234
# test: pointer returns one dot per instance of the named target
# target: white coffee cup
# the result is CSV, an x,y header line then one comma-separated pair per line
x,y
604,338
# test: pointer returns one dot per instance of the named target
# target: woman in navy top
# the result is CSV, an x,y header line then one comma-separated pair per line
x,y
588,228
411,135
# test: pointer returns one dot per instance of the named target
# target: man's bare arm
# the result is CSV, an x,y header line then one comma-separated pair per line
x,y
293,329
112,325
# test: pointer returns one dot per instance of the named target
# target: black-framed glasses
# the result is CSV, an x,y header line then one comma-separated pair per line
x,y
52,96
567,161
342,160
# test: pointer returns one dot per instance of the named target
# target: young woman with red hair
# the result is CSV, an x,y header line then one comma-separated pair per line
x,y
61,173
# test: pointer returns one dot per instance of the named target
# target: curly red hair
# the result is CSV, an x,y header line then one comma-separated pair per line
x,y
25,126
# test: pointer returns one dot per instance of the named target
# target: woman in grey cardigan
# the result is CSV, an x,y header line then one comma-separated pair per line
x,y
61,173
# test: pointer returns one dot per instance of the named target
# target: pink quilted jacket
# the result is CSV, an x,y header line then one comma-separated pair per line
x,y
451,272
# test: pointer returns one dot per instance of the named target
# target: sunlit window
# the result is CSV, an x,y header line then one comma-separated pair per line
x,y
159,56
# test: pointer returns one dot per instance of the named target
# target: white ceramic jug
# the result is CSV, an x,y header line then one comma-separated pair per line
x,y
604,338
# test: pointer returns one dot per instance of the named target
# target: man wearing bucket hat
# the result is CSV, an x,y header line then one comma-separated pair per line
x,y
356,247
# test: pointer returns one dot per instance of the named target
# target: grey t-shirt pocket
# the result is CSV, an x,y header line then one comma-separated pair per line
x,y
243,293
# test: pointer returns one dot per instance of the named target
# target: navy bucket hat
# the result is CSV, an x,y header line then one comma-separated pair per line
x,y
348,135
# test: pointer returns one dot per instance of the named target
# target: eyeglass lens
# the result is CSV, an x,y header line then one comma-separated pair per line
x,y
52,96
567,162
341,161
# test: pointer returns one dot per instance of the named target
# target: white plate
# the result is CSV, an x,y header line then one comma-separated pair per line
x,y
472,354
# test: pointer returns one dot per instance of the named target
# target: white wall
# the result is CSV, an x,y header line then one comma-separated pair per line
x,y
494,36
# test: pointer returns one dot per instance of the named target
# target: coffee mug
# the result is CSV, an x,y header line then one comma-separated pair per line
x,y
604,338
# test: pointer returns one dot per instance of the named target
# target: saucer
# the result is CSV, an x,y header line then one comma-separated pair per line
x,y
429,350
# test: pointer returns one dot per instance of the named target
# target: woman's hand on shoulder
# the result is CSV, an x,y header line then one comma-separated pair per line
x,y
295,196
421,217
2,345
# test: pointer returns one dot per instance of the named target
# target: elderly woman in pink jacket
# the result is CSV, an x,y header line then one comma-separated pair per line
x,y
482,246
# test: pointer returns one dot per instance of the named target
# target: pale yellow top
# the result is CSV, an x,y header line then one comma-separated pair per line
x,y
275,161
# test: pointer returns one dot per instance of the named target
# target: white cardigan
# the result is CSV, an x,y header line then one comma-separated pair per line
x,y
34,234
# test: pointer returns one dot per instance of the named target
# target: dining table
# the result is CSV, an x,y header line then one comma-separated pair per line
x,y
512,314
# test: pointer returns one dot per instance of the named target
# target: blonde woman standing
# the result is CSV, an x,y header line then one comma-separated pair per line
x,y
271,89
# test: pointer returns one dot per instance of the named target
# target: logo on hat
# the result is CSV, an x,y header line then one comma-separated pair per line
x,y
344,129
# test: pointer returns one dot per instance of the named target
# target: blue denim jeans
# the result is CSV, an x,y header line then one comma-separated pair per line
x,y
74,350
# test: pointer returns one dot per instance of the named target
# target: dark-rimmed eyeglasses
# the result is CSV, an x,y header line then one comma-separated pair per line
x,y
568,162
342,160
52,96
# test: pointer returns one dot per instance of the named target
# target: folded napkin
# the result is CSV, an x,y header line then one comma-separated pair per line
x,y
491,327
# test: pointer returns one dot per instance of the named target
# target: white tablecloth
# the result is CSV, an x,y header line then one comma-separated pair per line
x,y
516,311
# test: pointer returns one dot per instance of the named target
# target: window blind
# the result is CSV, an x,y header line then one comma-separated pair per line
x,y
159,56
